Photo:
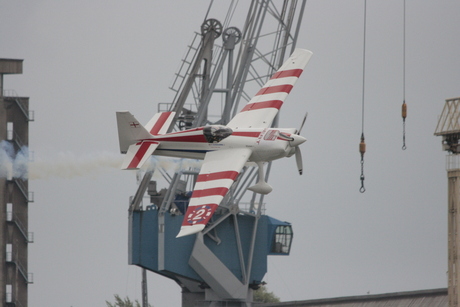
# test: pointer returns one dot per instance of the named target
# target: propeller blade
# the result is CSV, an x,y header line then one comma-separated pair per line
x,y
303,122
298,159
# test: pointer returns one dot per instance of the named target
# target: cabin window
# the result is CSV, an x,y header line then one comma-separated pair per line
x,y
216,133
282,240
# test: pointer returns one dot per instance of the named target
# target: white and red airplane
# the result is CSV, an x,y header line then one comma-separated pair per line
x,y
224,149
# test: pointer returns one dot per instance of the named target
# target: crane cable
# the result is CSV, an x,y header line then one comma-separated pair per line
x,y
404,106
362,144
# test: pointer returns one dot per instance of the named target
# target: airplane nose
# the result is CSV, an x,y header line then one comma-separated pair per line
x,y
297,140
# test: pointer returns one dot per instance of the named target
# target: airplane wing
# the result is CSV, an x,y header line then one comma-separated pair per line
x,y
263,107
219,170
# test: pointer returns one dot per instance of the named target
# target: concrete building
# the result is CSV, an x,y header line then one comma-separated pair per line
x,y
14,193
422,298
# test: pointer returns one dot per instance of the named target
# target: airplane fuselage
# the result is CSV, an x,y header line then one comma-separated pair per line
x,y
266,144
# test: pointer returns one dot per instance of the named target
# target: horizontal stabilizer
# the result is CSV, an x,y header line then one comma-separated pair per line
x,y
138,154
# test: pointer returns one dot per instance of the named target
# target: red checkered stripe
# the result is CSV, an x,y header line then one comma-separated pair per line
x,y
209,191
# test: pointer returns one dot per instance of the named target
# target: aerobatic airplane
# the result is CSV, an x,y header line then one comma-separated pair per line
x,y
248,137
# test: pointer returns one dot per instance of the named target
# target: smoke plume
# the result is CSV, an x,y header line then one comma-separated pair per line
x,y
69,165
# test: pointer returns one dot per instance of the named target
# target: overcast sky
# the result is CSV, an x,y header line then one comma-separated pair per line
x,y
85,60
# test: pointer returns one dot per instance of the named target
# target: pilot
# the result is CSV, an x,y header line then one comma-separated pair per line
x,y
215,134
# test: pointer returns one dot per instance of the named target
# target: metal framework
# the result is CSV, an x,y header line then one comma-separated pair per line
x,y
243,62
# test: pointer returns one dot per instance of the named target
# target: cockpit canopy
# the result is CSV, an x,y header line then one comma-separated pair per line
x,y
216,133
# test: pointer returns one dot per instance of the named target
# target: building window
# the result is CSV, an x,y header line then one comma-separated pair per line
x,y
9,293
9,212
9,252
9,131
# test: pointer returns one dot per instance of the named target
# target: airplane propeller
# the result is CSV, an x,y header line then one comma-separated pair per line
x,y
298,153
298,160
303,122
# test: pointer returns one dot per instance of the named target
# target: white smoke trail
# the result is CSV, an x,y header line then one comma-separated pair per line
x,y
6,160
172,164
69,165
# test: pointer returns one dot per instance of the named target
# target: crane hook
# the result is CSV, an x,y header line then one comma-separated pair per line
x,y
404,115
362,150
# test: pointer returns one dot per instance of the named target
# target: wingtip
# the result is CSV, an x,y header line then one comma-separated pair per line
x,y
189,230
302,51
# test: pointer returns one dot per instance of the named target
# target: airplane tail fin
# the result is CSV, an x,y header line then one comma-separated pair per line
x,y
136,140
130,131
160,122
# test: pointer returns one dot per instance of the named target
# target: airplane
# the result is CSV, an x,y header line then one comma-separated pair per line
x,y
225,150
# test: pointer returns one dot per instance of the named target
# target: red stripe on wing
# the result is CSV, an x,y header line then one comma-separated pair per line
x,y
210,192
217,175
160,122
287,73
263,105
283,88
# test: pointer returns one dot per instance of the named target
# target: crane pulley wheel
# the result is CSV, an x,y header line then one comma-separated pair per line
x,y
212,25
232,32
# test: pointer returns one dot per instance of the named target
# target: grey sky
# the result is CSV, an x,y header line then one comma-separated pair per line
x,y
85,60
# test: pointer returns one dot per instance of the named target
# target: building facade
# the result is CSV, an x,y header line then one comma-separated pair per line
x,y
14,194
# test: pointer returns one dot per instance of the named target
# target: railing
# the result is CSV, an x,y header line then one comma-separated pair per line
x,y
22,187
11,217
166,106
11,94
15,138
25,275
22,271
30,237
246,206
31,197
